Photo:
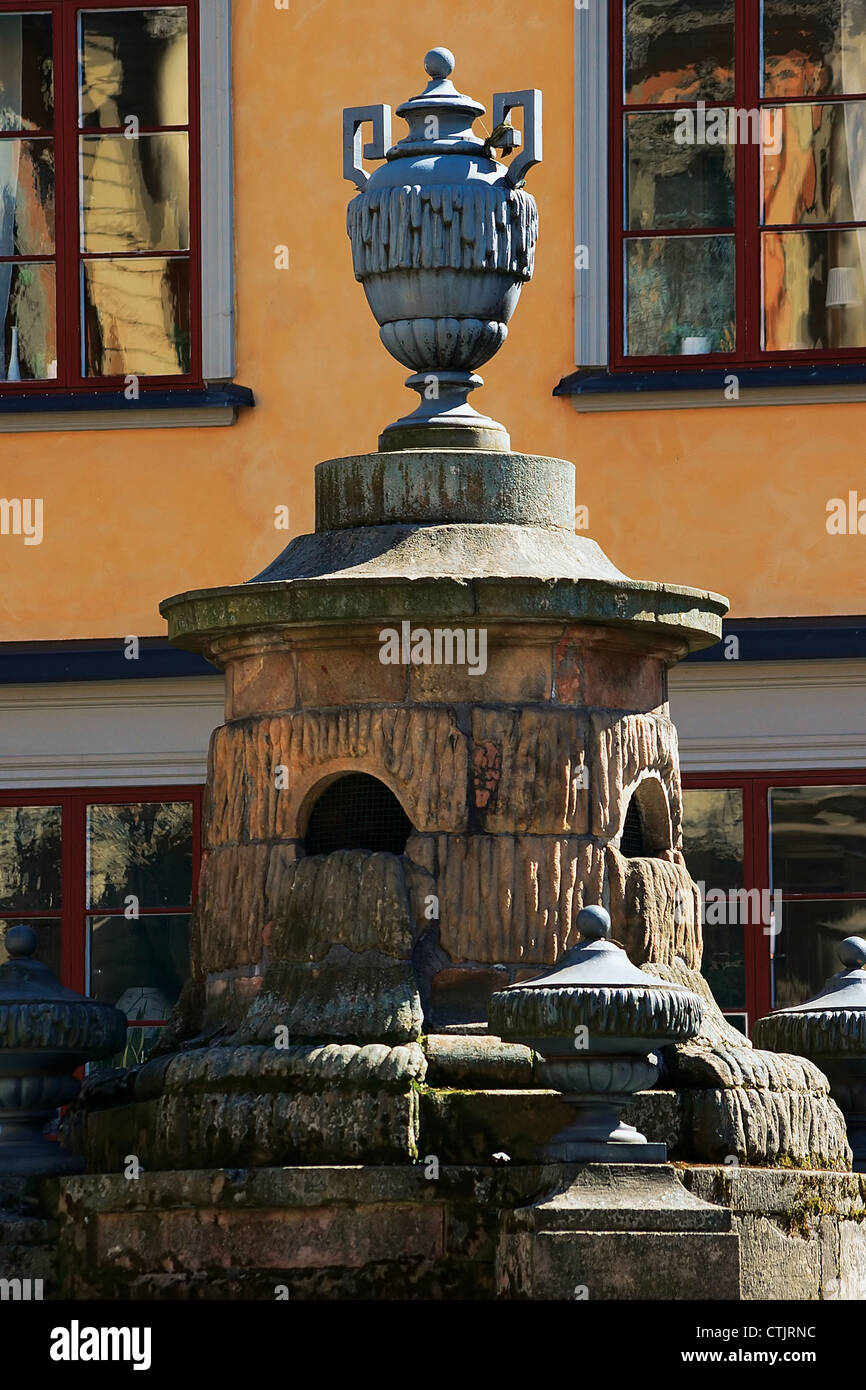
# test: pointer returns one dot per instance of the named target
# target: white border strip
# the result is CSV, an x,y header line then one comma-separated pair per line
x,y
217,192
591,153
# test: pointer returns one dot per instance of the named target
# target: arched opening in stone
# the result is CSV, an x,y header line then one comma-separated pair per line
x,y
646,827
357,811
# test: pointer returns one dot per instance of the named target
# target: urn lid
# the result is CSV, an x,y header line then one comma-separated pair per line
x,y
847,990
24,980
440,118
595,986
595,962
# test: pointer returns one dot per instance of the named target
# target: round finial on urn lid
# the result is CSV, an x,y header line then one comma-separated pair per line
x,y
20,942
439,63
852,952
593,923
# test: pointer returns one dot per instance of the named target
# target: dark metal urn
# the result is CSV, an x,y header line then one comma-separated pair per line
x,y
830,1030
597,1021
443,240
46,1033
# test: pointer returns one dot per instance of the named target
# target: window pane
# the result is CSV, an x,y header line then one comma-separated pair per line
x,y
135,193
680,295
26,72
134,63
814,46
47,931
818,839
673,184
139,966
143,850
713,846
815,172
28,324
136,317
29,858
814,290
806,951
679,52
26,197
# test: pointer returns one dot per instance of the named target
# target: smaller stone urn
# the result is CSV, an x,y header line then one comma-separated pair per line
x,y
597,1021
830,1030
46,1033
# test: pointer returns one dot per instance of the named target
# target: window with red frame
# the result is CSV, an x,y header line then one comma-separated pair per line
x,y
107,881
739,185
99,195
781,861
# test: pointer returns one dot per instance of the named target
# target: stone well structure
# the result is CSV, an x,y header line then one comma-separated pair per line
x,y
447,731
519,784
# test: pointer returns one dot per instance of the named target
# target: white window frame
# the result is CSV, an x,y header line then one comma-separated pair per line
x,y
217,260
591,206
217,192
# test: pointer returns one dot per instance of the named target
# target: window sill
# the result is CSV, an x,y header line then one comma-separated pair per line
x,y
596,388
107,410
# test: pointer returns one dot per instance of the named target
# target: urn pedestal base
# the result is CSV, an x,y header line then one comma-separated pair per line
x,y
445,419
619,1232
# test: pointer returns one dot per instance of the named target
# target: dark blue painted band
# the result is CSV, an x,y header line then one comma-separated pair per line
x,y
57,402
597,381
43,663
789,639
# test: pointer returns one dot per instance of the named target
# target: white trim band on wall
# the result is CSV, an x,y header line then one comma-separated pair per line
x,y
739,716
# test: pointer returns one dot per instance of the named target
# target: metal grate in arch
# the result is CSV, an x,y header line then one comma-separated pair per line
x,y
357,812
632,841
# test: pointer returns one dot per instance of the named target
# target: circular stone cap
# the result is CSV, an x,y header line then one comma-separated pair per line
x,y
20,941
852,952
439,63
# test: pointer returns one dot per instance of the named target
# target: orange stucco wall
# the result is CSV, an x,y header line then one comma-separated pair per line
x,y
732,499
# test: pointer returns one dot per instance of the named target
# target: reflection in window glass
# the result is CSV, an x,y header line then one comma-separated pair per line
x,y
136,317
713,846
139,849
139,962
26,72
814,47
814,291
134,63
816,172
135,193
680,295
29,858
26,197
679,52
140,967
818,839
671,184
28,321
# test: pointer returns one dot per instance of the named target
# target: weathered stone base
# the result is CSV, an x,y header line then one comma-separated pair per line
x,y
28,1243
619,1232
812,1226
430,1232
255,1106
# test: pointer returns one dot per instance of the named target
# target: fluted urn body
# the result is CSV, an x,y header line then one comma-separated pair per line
x,y
443,240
